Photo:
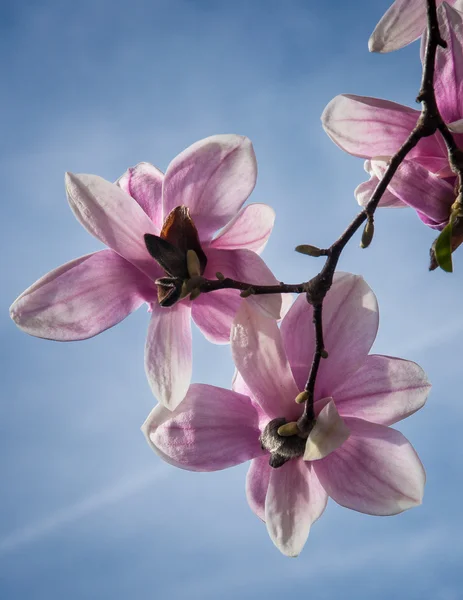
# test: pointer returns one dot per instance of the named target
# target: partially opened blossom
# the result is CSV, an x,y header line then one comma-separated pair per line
x,y
375,129
161,231
403,23
351,453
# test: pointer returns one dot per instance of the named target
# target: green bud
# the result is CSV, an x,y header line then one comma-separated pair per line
x,y
309,250
220,276
288,429
302,397
193,264
247,293
442,249
368,233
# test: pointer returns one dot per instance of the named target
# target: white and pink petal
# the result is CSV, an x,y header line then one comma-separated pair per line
x,y
448,82
250,229
295,499
376,471
213,178
415,186
168,353
144,183
213,313
82,297
248,267
402,24
350,324
260,358
368,127
383,390
113,217
364,192
212,429
257,482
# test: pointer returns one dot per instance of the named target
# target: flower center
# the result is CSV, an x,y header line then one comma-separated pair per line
x,y
285,441
281,447
178,251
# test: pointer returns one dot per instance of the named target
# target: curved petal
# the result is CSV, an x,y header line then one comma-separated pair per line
x,y
82,298
376,471
259,356
420,189
384,390
402,24
257,482
213,177
247,266
113,217
213,313
329,433
250,229
168,358
144,183
350,323
212,429
369,127
448,78
239,385
295,499
364,192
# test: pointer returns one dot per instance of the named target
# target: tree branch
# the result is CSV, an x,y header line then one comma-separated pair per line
x,y
429,122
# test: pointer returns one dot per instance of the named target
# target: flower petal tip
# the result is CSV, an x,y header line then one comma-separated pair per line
x,y
375,44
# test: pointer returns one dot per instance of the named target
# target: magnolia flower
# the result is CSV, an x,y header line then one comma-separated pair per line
x,y
375,129
402,24
350,454
173,217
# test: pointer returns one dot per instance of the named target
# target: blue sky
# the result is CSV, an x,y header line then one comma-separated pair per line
x,y
87,510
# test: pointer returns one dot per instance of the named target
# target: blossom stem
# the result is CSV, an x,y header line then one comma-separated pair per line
x,y
429,122
211,285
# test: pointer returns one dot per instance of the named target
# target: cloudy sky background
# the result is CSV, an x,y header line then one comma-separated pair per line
x,y
87,510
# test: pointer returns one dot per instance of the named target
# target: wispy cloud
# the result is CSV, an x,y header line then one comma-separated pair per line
x,y
120,491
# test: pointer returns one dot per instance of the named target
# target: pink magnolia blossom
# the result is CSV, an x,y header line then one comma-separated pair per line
x,y
351,455
203,190
375,129
403,23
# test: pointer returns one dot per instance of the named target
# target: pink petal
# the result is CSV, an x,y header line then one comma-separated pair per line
x,y
420,189
168,358
239,385
213,313
144,183
212,429
448,82
250,229
82,298
350,323
113,217
246,266
369,127
384,390
257,482
213,177
364,192
402,24
295,499
260,358
376,471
